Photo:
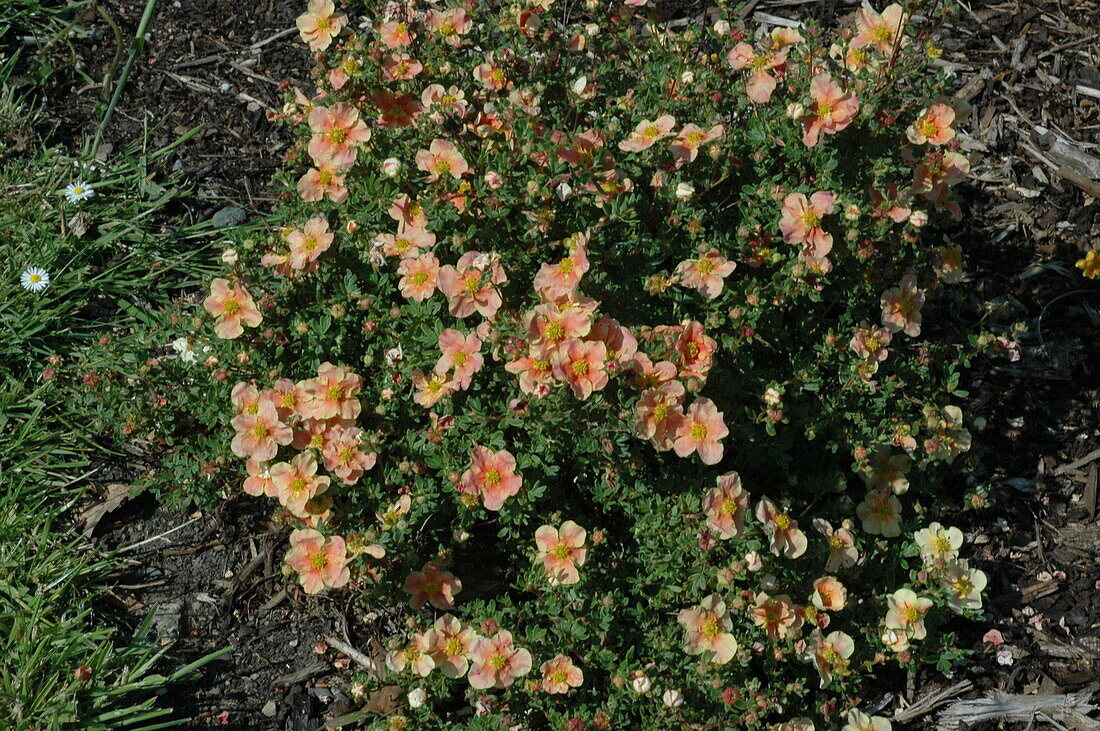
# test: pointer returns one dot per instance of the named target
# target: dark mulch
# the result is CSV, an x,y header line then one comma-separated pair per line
x,y
1027,68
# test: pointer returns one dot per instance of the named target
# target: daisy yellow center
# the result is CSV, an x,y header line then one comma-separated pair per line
x,y
561,551
782,522
260,431
338,136
555,331
911,613
698,431
940,544
460,359
78,190
580,368
692,350
318,560
232,307
705,266
297,486
498,662
420,277
35,278
492,477
454,647
710,628
559,676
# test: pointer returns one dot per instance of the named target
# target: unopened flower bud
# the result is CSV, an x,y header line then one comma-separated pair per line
x,y
391,166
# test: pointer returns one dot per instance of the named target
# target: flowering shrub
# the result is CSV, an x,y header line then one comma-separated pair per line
x,y
618,353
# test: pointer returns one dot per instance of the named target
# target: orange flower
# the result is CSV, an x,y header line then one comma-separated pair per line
x,y
647,133
880,512
695,350
761,84
320,24
830,111
842,545
419,277
471,285
707,273
451,24
451,645
492,476
260,435
906,613
320,562
535,371
561,551
309,243
432,585
725,506
1090,265
620,343
559,674
685,148
878,31
395,34
782,530
259,480
555,281
658,414
707,630
332,394
775,615
901,306
461,352
933,126
582,365
830,654
408,241
416,656
550,327
296,483
323,180
337,133
886,470
430,390
442,158
701,430
343,456
400,67
829,594
801,221
497,662
232,308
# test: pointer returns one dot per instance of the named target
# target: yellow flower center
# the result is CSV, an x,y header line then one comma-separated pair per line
x,y
710,628
963,585
335,393
824,109
694,138
260,431
454,647
492,477
929,128
232,307
881,34
580,368
811,219
318,560
692,350
498,662
660,412
472,284
565,267
347,455
460,359
651,132
559,676
555,331
317,441
698,431
911,613
442,166
729,507
561,551
338,136
782,522
941,545
705,266
297,485
420,278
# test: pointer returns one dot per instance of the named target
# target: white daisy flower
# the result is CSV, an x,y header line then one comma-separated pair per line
x,y
35,279
78,191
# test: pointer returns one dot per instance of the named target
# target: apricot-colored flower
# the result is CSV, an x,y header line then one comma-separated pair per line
x,y
933,126
842,545
860,721
555,281
785,538
801,221
707,629
938,545
259,480
906,613
702,430
829,654
829,594
399,67
551,327
761,84
321,181
695,351
706,273
395,34
416,655
561,551
901,306
296,482
343,455
429,389
559,674
471,285
419,277
232,308
490,75
337,133
658,414
461,352
648,374
496,662
320,24
260,435
879,31
307,244
451,24
647,133
880,512
535,371
964,586
725,506
451,645
332,394
407,242
870,343
582,365
1090,265
321,563
492,476
442,158
685,148
432,585
775,615
886,470
831,109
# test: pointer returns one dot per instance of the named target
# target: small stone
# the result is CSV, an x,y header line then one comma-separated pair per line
x,y
268,709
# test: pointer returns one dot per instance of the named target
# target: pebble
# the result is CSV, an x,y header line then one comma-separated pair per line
x,y
268,709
